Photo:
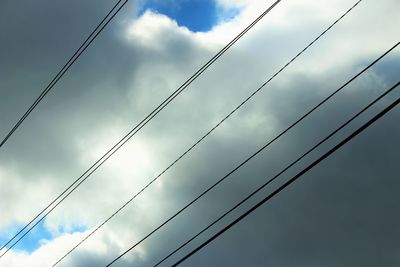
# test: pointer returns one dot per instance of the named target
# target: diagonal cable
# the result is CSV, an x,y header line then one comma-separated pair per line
x,y
294,178
234,170
280,173
59,75
60,198
93,35
241,164
203,137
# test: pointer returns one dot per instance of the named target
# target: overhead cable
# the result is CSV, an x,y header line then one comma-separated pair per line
x,y
278,174
294,178
202,138
61,197
241,164
244,162
93,35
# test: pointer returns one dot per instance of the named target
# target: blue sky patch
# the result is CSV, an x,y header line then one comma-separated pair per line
x,y
32,241
72,229
196,15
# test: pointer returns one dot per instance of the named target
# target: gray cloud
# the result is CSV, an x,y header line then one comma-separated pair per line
x,y
124,75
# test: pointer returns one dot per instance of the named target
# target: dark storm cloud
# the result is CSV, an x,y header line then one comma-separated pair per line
x,y
37,41
37,37
211,161
121,78
342,213
93,93
337,216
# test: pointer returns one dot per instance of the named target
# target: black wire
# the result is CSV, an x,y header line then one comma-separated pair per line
x,y
240,165
50,86
294,178
138,127
65,68
201,139
280,173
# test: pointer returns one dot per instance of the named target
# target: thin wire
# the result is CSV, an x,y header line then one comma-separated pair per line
x,y
128,136
200,140
234,170
280,173
294,178
59,75
65,68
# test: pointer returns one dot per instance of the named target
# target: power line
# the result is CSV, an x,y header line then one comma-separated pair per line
x,y
294,178
279,174
202,138
93,35
243,163
247,160
60,198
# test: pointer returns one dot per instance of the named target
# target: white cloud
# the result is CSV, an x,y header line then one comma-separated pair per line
x,y
157,56
51,251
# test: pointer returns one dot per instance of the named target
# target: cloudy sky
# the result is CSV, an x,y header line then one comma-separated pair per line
x,y
343,213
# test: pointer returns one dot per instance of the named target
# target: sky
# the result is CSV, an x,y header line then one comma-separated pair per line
x,y
342,213
197,16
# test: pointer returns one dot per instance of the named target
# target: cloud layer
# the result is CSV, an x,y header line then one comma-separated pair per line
x,y
342,213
